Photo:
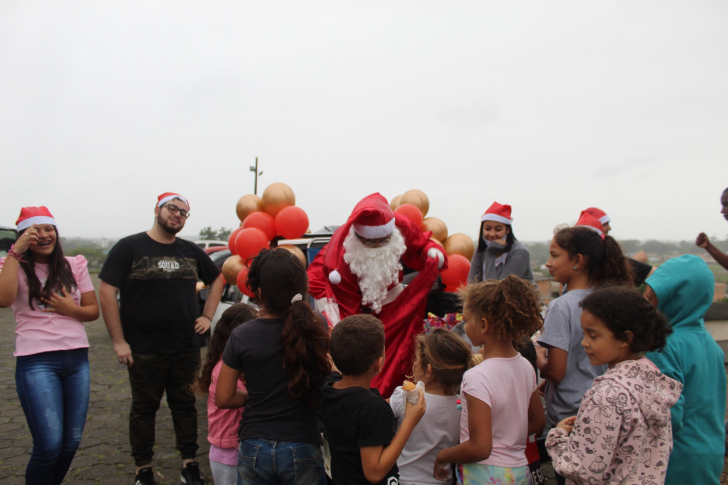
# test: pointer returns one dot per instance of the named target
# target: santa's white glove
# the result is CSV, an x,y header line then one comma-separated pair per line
x,y
436,253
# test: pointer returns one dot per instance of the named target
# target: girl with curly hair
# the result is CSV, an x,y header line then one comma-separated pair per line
x,y
500,404
622,432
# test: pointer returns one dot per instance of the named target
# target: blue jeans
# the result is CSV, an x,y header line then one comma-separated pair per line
x,y
270,462
53,388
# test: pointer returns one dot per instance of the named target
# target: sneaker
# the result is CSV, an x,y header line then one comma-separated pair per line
x,y
144,477
191,474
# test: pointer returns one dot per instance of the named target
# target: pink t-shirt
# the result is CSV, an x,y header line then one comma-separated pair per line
x,y
38,331
222,424
506,385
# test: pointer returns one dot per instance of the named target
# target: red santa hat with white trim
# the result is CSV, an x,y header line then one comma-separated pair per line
x,y
599,214
372,218
34,215
498,213
588,220
167,196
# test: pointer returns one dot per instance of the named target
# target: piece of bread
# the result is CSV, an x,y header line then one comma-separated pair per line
x,y
408,386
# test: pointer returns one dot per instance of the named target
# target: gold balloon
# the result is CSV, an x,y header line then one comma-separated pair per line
x,y
247,204
438,242
276,197
418,199
438,228
230,269
396,202
460,244
296,252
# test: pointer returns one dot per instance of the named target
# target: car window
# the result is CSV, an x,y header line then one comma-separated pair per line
x,y
7,238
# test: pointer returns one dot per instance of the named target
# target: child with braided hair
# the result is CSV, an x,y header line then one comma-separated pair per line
x,y
501,406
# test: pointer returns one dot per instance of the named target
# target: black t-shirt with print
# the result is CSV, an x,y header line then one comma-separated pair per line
x,y
158,301
354,418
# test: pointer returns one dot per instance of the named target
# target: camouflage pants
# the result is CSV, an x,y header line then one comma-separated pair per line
x,y
150,377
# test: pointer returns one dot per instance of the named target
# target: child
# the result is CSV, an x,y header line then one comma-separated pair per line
x,y
284,358
682,288
622,433
501,406
441,359
222,424
359,425
582,257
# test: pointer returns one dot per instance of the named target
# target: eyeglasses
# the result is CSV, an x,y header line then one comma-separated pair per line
x,y
374,243
173,209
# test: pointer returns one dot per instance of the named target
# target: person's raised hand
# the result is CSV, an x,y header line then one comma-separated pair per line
x,y
702,240
415,411
436,253
29,238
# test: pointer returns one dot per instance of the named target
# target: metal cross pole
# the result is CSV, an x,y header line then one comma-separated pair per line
x,y
255,169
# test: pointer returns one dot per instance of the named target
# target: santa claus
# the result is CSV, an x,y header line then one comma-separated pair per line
x,y
359,271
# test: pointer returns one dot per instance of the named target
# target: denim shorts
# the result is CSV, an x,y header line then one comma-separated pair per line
x,y
262,461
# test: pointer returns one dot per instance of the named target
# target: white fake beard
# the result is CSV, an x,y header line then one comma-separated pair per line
x,y
377,268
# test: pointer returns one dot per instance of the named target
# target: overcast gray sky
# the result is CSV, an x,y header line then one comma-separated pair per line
x,y
548,106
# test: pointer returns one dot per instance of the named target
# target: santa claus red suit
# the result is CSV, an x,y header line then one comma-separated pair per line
x,y
359,271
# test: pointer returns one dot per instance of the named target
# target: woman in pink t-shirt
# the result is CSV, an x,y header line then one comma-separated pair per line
x,y
51,296
222,424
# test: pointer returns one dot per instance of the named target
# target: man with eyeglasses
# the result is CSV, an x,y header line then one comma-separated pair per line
x,y
359,271
156,328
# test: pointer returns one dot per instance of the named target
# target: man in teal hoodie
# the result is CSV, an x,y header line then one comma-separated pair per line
x,y
682,288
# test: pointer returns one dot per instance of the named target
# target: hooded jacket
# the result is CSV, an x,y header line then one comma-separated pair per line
x,y
622,433
684,288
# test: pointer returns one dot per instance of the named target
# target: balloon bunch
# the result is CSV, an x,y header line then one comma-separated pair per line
x,y
459,248
262,219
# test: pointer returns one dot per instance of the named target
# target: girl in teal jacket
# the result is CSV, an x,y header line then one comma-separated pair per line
x,y
682,288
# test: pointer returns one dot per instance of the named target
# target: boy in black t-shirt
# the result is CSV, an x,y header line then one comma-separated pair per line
x,y
360,426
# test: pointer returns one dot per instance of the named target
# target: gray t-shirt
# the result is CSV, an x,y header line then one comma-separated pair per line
x,y
562,329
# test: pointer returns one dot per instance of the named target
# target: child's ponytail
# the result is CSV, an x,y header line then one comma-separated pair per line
x,y
615,269
604,260
283,283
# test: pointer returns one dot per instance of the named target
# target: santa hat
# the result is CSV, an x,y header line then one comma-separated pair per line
x,y
588,220
34,215
599,214
372,218
498,213
167,196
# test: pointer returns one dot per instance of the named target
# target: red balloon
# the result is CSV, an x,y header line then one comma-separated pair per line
x,y
456,274
250,241
291,222
263,221
411,212
242,280
231,240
